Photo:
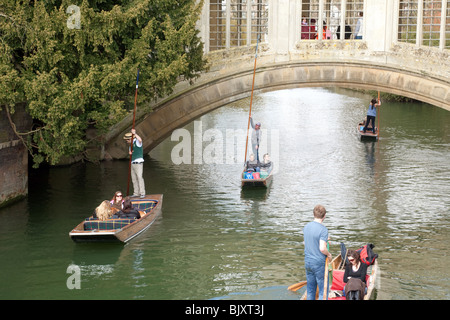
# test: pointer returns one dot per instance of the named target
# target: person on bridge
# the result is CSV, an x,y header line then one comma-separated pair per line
x,y
371,114
137,163
315,237
256,137
359,27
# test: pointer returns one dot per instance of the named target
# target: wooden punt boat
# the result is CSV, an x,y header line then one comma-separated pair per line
x,y
120,230
338,274
258,179
368,135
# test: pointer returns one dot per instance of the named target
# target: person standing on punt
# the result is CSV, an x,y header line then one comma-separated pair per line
x,y
315,236
137,164
371,114
256,137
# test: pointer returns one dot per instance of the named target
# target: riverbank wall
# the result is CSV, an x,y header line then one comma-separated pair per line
x,y
13,156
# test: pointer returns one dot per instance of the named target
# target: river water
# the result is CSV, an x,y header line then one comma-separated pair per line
x,y
217,241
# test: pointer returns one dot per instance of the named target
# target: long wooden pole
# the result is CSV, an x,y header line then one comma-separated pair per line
x,y
132,135
379,114
251,100
325,280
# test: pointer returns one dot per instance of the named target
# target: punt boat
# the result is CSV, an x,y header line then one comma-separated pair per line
x,y
256,179
120,230
368,135
338,269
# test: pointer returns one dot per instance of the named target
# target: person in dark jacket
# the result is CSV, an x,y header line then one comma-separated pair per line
x,y
355,275
128,211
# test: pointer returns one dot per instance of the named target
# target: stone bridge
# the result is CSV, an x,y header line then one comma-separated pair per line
x,y
379,61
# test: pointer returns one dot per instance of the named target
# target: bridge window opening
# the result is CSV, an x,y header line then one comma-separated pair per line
x,y
260,20
330,21
431,24
424,23
235,23
310,16
355,18
217,24
447,27
407,23
238,23
336,14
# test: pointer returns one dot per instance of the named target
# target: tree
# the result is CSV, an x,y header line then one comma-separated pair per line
x,y
74,63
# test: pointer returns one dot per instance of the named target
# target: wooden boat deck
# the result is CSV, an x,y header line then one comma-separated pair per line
x,y
368,135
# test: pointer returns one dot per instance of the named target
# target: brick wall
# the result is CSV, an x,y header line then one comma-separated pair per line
x,y
13,157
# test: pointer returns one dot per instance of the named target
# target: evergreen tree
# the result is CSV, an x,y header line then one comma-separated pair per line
x,y
74,63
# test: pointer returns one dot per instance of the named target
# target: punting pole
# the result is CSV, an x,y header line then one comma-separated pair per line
x,y
251,100
379,114
132,136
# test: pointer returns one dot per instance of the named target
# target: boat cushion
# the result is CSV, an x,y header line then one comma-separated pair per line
x,y
144,204
109,224
338,280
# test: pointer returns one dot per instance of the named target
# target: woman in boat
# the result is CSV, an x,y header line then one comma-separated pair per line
x,y
128,211
355,274
117,201
103,211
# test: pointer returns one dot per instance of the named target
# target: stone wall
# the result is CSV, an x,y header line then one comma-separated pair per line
x,y
13,157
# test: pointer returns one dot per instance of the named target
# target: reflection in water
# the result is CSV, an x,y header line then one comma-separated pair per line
x,y
215,240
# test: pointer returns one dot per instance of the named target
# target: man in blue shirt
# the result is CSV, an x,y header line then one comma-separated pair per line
x,y
371,114
315,236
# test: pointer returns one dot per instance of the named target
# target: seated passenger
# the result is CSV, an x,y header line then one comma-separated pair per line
x,y
355,276
128,211
252,164
267,164
117,201
103,211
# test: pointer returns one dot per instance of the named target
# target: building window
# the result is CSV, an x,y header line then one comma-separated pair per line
x,y
331,24
447,27
354,17
331,13
230,20
431,23
217,24
407,21
260,20
310,16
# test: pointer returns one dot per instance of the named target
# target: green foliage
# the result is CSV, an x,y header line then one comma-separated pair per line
x,y
78,78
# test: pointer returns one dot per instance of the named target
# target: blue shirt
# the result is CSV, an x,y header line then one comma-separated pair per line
x,y
372,111
313,232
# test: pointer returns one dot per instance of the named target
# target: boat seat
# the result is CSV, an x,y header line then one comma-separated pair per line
x,y
109,224
144,205
338,280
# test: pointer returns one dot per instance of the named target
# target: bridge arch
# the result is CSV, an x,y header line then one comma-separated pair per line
x,y
217,89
